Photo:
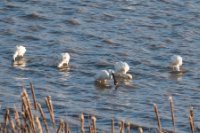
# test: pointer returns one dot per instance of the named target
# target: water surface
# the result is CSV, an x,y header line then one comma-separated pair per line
x,y
98,33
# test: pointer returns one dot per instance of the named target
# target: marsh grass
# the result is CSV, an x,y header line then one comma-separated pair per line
x,y
27,121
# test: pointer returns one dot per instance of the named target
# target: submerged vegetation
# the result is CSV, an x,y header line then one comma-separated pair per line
x,y
26,120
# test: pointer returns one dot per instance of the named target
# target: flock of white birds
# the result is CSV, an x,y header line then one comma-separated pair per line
x,y
103,76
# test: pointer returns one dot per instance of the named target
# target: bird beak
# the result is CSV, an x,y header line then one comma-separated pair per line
x,y
115,81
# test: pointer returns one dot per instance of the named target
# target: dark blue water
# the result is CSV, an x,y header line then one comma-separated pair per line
x,y
97,34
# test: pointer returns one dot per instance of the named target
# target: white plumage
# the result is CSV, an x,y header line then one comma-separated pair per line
x,y
121,69
103,76
176,62
65,57
20,51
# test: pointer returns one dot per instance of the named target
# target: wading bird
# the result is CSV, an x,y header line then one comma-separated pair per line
x,y
65,57
176,63
104,75
19,53
121,69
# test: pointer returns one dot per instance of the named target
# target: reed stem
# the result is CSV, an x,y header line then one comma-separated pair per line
x,y
43,117
94,123
192,114
140,130
33,95
6,118
121,127
128,128
172,113
113,125
82,123
66,127
191,119
27,110
39,127
61,127
12,125
18,123
191,124
158,118
50,109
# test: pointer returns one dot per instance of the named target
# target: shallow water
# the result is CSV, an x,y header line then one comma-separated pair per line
x,y
98,33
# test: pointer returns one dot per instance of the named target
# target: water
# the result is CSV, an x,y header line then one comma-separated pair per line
x,y
98,33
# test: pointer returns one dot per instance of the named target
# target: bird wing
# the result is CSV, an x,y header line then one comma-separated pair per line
x,y
65,57
101,75
21,50
121,67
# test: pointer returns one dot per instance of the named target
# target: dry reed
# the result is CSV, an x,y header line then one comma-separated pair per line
x,y
12,125
192,114
25,126
50,109
61,127
43,118
140,130
6,118
27,108
66,128
17,120
158,118
25,122
191,119
33,95
39,127
172,113
93,124
121,126
113,126
191,124
90,128
128,128
82,120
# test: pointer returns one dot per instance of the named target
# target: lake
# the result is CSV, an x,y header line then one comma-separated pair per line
x,y
96,34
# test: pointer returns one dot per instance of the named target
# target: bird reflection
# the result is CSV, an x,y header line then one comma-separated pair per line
x,y
65,73
176,75
100,86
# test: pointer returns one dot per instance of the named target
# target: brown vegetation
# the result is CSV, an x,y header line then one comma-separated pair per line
x,y
25,121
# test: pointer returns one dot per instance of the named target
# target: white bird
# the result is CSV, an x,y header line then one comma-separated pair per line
x,y
19,53
176,63
65,57
103,76
121,69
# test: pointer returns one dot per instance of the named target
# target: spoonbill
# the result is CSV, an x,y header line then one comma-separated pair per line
x,y
65,57
104,75
19,53
121,69
176,63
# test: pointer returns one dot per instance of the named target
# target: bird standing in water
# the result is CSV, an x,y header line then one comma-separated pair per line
x,y
176,63
64,63
18,57
121,69
19,53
